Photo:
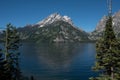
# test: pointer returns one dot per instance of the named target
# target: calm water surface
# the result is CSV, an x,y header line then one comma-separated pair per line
x,y
58,61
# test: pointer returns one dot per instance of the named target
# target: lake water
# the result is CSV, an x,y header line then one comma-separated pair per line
x,y
58,61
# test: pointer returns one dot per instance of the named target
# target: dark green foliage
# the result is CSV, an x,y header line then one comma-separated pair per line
x,y
11,53
108,54
2,66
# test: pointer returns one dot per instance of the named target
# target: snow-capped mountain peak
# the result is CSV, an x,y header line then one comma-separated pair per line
x,y
54,17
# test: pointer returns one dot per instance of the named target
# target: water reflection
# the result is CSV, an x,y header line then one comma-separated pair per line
x,y
58,55
58,61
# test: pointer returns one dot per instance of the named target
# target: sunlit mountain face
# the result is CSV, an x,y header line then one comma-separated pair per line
x,y
54,28
98,32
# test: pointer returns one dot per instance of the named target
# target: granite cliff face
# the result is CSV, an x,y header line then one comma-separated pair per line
x,y
98,32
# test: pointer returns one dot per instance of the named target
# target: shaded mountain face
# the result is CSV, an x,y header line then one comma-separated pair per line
x,y
54,28
60,31
98,32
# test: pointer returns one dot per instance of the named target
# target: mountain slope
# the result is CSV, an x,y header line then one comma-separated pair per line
x,y
60,31
54,28
98,32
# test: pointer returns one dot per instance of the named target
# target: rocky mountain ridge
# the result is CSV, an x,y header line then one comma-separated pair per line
x,y
54,28
98,32
53,18
59,28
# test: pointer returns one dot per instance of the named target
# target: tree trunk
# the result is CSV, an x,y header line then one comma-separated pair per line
x,y
6,44
112,73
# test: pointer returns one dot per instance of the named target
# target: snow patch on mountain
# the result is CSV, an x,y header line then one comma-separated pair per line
x,y
54,17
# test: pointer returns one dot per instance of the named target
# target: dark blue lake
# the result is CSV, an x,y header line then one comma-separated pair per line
x,y
58,61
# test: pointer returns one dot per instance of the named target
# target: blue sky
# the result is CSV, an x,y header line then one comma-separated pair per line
x,y
84,13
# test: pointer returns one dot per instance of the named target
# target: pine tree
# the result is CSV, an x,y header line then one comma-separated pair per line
x,y
11,53
108,54
2,66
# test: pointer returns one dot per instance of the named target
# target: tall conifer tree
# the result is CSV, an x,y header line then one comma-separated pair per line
x,y
108,51
11,53
108,54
